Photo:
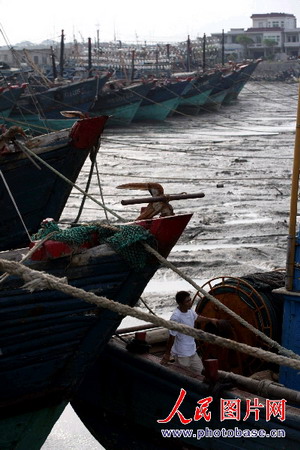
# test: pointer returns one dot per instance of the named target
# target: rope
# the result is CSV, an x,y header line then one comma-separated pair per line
x,y
222,306
93,158
68,181
39,280
101,192
39,244
15,205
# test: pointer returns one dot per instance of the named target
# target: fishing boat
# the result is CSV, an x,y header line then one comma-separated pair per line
x,y
41,111
120,103
229,85
235,83
127,396
48,337
162,99
9,95
248,395
29,190
202,86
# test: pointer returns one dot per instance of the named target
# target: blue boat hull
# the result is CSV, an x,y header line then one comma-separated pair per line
x,y
8,98
38,192
79,96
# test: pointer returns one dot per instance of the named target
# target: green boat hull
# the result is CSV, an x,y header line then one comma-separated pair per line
x,y
40,126
121,115
214,101
29,431
191,105
157,111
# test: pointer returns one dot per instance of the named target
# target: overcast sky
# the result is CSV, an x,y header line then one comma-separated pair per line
x,y
130,20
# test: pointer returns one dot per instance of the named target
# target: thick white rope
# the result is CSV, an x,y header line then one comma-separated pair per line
x,y
40,280
217,302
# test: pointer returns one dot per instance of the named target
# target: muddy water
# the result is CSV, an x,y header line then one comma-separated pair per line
x,y
241,159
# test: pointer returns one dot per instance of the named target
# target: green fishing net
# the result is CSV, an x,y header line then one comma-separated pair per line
x,y
125,240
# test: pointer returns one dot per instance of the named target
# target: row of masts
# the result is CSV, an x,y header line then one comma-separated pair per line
x,y
132,59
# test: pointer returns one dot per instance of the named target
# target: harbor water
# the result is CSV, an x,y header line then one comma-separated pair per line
x,y
240,157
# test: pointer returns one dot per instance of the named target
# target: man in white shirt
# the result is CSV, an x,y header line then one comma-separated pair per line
x,y
181,346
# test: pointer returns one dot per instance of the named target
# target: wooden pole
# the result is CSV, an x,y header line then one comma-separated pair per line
x,y
188,56
223,48
89,57
161,198
53,63
293,205
204,53
62,51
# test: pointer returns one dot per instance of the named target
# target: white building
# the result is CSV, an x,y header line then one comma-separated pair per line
x,y
271,35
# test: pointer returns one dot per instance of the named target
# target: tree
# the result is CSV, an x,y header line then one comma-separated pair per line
x,y
245,41
270,44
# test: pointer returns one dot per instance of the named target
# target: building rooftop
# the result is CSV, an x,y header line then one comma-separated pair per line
x,y
272,14
265,29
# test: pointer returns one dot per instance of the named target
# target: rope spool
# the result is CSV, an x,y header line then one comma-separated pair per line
x,y
252,299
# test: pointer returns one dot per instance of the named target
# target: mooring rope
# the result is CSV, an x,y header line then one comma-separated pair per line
x,y
39,280
217,302
68,181
15,204
170,265
37,245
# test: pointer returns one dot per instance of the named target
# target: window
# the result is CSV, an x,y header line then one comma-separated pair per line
x,y
36,59
275,24
292,38
260,24
273,38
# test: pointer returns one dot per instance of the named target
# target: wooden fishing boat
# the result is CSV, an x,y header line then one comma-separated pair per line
x,y
48,339
202,86
229,86
161,100
120,103
249,393
30,191
9,95
237,81
41,111
127,392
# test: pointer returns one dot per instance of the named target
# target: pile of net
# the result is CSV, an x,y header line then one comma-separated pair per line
x,y
124,239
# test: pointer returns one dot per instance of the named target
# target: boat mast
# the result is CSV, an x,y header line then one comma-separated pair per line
x,y
132,64
89,57
53,63
62,50
188,57
204,53
293,205
223,48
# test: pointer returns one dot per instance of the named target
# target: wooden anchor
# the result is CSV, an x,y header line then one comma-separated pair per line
x,y
158,203
162,198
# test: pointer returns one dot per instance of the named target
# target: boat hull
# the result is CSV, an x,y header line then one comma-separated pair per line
x,y
8,97
49,339
48,194
124,395
122,104
35,110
